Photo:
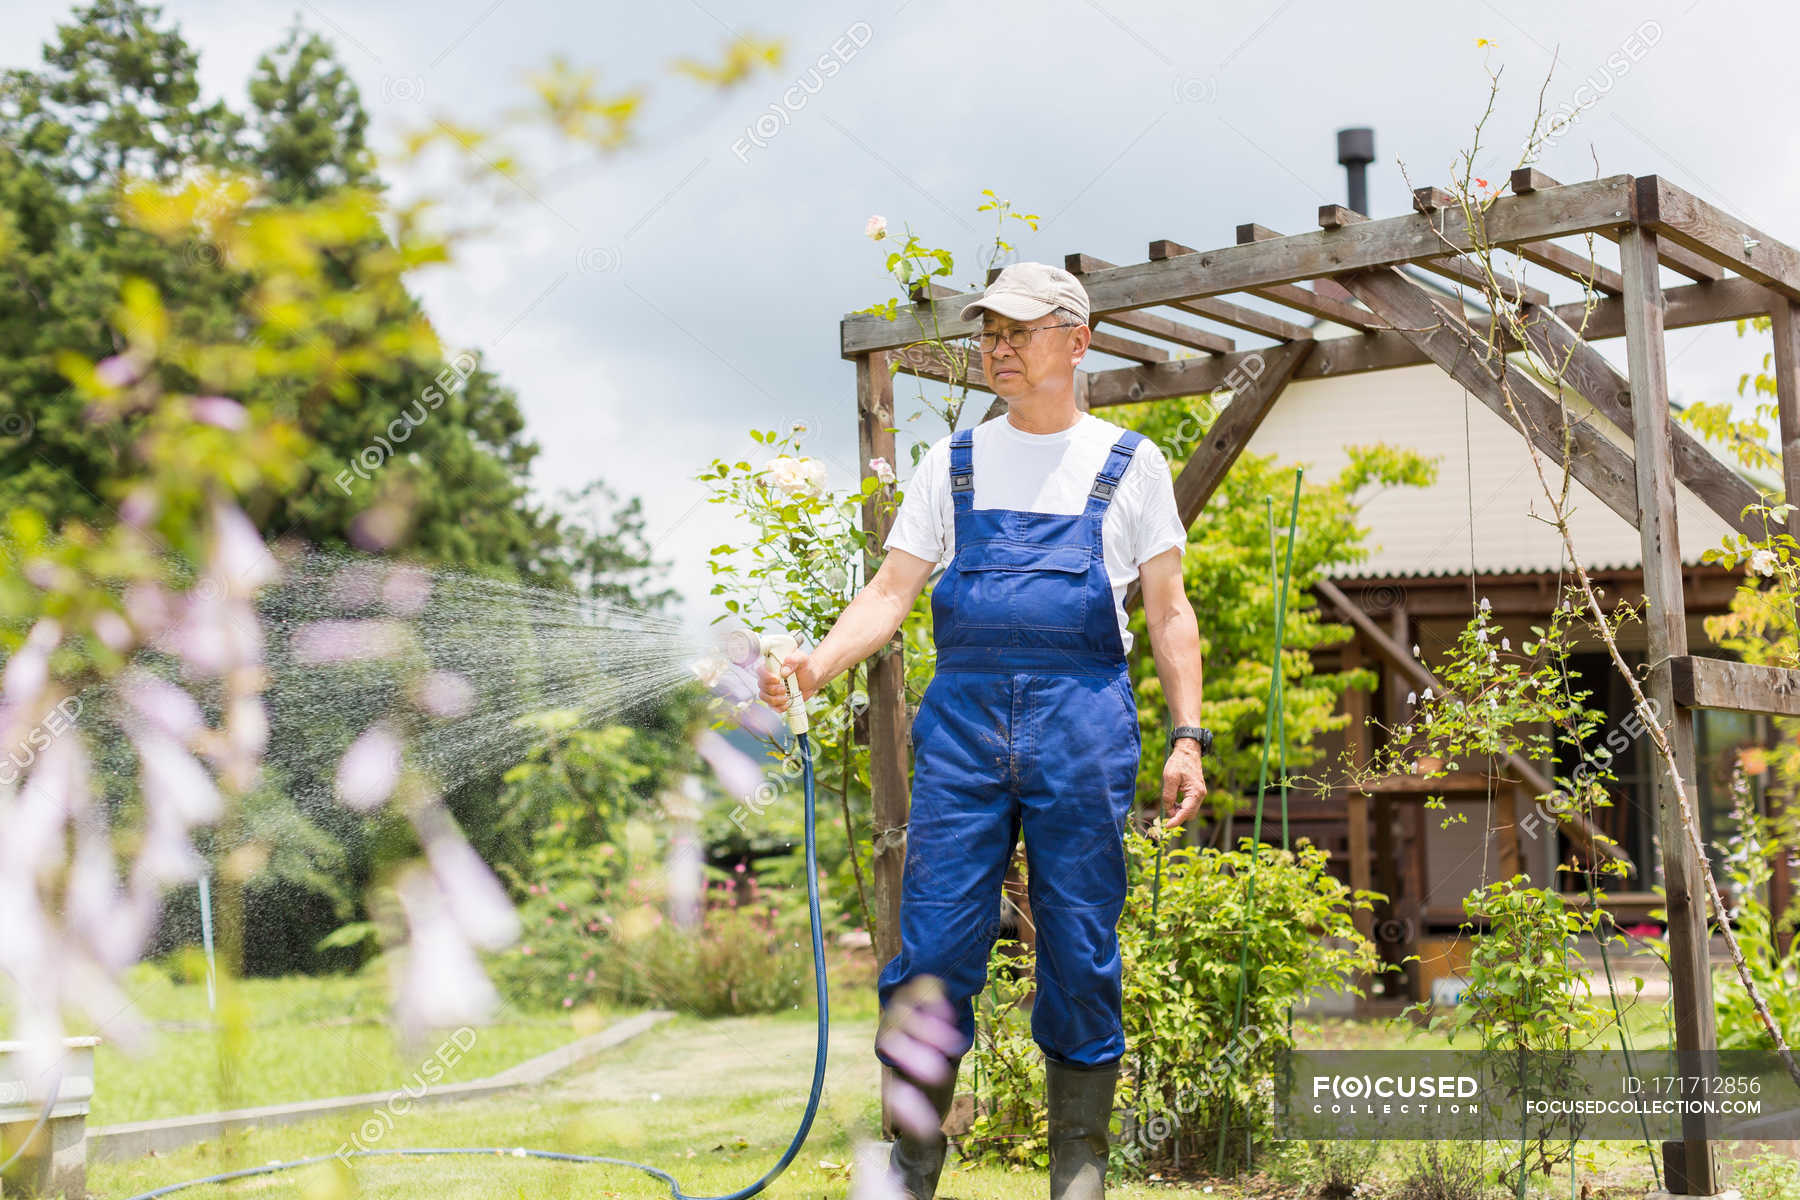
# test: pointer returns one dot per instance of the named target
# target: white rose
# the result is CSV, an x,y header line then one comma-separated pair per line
x,y
882,469
1763,562
876,229
796,476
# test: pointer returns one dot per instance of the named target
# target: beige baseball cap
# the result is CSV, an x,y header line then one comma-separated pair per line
x,y
1026,291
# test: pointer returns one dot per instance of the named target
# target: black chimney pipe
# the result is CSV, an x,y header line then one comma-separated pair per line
x,y
1356,150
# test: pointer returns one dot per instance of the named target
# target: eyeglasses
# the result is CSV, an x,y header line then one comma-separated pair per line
x,y
988,340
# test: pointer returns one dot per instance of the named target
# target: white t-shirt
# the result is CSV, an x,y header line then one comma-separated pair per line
x,y
1050,473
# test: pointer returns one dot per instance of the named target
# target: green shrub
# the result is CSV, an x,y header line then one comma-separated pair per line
x,y
1447,1171
1529,1004
588,942
1196,1062
1006,1068
1192,1064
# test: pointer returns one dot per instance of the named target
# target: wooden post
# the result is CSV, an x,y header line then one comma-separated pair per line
x,y
1785,316
1356,804
888,729
1506,822
1665,623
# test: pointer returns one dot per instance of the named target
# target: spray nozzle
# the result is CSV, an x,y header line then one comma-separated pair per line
x,y
775,648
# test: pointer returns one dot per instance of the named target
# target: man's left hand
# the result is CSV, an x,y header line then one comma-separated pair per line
x,y
1183,780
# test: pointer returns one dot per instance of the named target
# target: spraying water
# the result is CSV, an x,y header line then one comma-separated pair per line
x,y
349,639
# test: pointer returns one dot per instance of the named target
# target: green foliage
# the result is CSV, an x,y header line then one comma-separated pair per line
x,y
1447,1171
1529,1004
596,934
1746,855
1340,1170
1192,1063
1196,1060
803,562
1006,1067
1767,1175
572,791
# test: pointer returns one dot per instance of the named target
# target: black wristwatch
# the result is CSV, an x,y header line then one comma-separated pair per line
x,y
1199,733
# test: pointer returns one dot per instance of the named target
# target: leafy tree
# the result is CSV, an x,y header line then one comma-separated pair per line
x,y
402,442
431,444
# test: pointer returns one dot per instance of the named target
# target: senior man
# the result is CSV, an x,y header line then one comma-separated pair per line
x,y
1043,519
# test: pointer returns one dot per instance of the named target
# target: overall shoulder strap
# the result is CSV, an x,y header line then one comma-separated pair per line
x,y
1107,481
962,469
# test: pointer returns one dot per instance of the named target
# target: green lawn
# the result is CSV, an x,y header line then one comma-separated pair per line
x,y
714,1102
302,1039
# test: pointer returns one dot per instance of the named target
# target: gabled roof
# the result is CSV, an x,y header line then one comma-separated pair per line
x,y
1483,465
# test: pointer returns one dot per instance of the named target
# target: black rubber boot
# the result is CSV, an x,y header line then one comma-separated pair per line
x,y
1081,1104
917,1164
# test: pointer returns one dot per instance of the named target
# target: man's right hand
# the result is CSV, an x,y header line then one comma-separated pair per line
x,y
774,686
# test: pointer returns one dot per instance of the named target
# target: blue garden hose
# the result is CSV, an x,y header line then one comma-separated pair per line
x,y
675,1192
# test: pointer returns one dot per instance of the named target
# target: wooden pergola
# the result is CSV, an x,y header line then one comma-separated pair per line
x,y
1728,271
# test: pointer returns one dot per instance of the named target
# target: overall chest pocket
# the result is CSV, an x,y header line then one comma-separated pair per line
x,y
1016,585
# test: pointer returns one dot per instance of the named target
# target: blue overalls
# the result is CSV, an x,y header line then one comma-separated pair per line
x,y
1030,720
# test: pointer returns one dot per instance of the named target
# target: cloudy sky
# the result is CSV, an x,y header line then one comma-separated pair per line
x,y
652,306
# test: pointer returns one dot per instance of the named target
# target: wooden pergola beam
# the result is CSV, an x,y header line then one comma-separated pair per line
x,y
1336,216
1601,467
1682,262
1289,295
1222,311
1259,378
1739,687
1392,652
1566,263
1683,218
1694,304
1171,331
1536,216
1150,323
1118,347
1586,370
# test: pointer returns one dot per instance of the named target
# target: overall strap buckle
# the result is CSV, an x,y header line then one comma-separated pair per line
x,y
962,469
1117,460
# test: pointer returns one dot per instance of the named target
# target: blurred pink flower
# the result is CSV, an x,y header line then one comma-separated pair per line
x,y
441,984
445,694
239,556
29,668
872,1177
174,780
347,641
477,901
148,608
370,768
222,411
121,370
138,507
738,773
406,590
911,1110
113,631
166,855
164,705
357,585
